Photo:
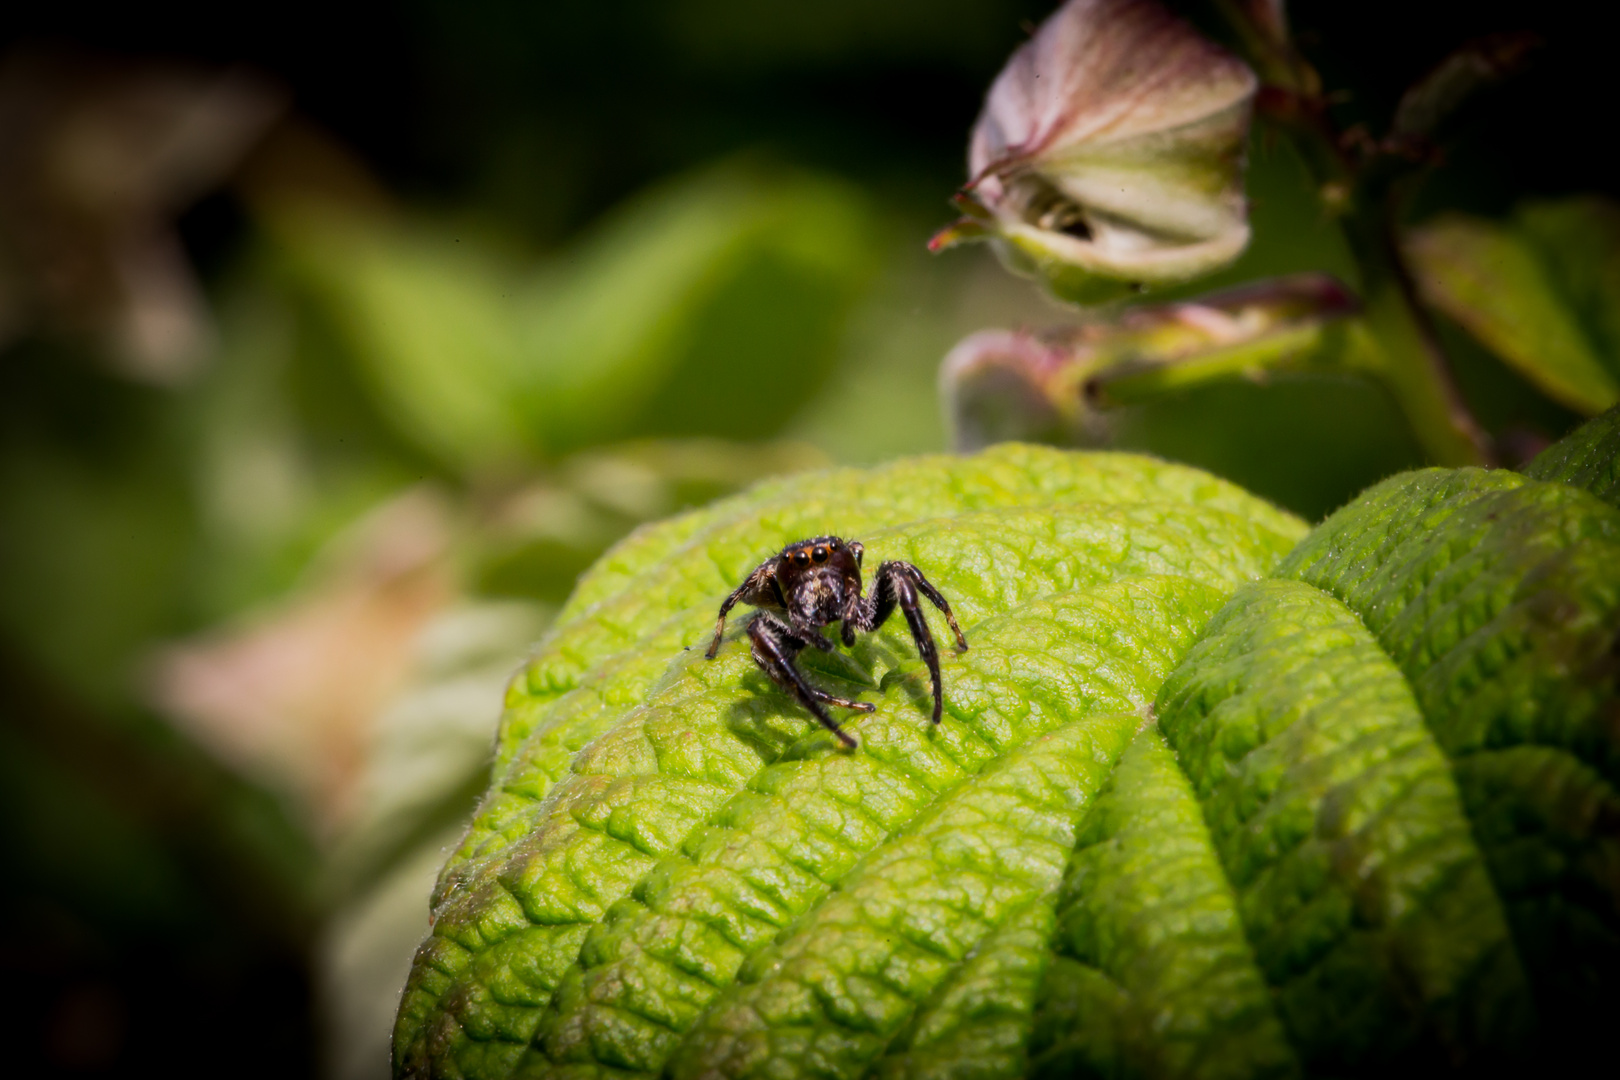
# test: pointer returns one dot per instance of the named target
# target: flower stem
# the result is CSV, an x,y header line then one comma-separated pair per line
x,y
1406,354
1363,190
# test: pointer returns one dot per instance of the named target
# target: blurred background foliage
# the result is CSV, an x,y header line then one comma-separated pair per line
x,y
335,341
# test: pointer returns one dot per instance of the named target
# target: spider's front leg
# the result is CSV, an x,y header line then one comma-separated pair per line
x,y
898,584
758,588
774,645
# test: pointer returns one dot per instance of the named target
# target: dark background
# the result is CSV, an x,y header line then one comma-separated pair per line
x,y
543,115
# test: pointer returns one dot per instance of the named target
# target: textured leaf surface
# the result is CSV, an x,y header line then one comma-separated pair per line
x,y
1589,458
1206,801
1499,599
1151,973
1334,815
657,819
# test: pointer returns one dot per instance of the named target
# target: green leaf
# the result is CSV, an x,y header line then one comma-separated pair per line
x,y
667,317
1372,828
1539,292
1499,599
1367,906
977,1022
1080,577
1578,240
1589,458
650,326
423,318
1151,974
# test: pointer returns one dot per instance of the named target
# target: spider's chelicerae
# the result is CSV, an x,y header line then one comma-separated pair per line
x,y
815,583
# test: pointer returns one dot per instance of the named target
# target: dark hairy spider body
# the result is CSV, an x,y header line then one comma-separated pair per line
x,y
814,583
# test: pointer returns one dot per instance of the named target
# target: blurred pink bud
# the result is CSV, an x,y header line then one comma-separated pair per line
x,y
1019,385
1056,386
1110,153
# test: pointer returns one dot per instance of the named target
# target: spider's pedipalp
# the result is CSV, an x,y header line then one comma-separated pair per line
x,y
720,623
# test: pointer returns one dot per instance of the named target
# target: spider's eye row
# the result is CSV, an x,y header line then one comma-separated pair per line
x,y
819,554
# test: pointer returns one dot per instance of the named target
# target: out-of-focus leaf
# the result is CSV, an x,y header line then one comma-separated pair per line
x,y
426,320
290,698
288,452
710,306
101,155
1578,240
1540,291
290,693
428,761
92,558
429,749
364,955
540,537
1434,99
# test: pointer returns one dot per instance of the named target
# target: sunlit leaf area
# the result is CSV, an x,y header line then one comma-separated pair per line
x,y
338,341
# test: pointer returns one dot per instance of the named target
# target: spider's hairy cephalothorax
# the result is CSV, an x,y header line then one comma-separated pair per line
x,y
815,583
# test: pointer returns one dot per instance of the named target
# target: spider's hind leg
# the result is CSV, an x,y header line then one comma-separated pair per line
x,y
774,645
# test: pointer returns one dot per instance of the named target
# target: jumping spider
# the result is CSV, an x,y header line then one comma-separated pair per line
x,y
815,583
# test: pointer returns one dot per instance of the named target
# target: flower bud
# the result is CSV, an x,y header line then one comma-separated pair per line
x,y
1056,386
1109,154
1019,386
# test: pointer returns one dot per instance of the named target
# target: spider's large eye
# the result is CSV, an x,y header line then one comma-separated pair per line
x,y
819,554
800,558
